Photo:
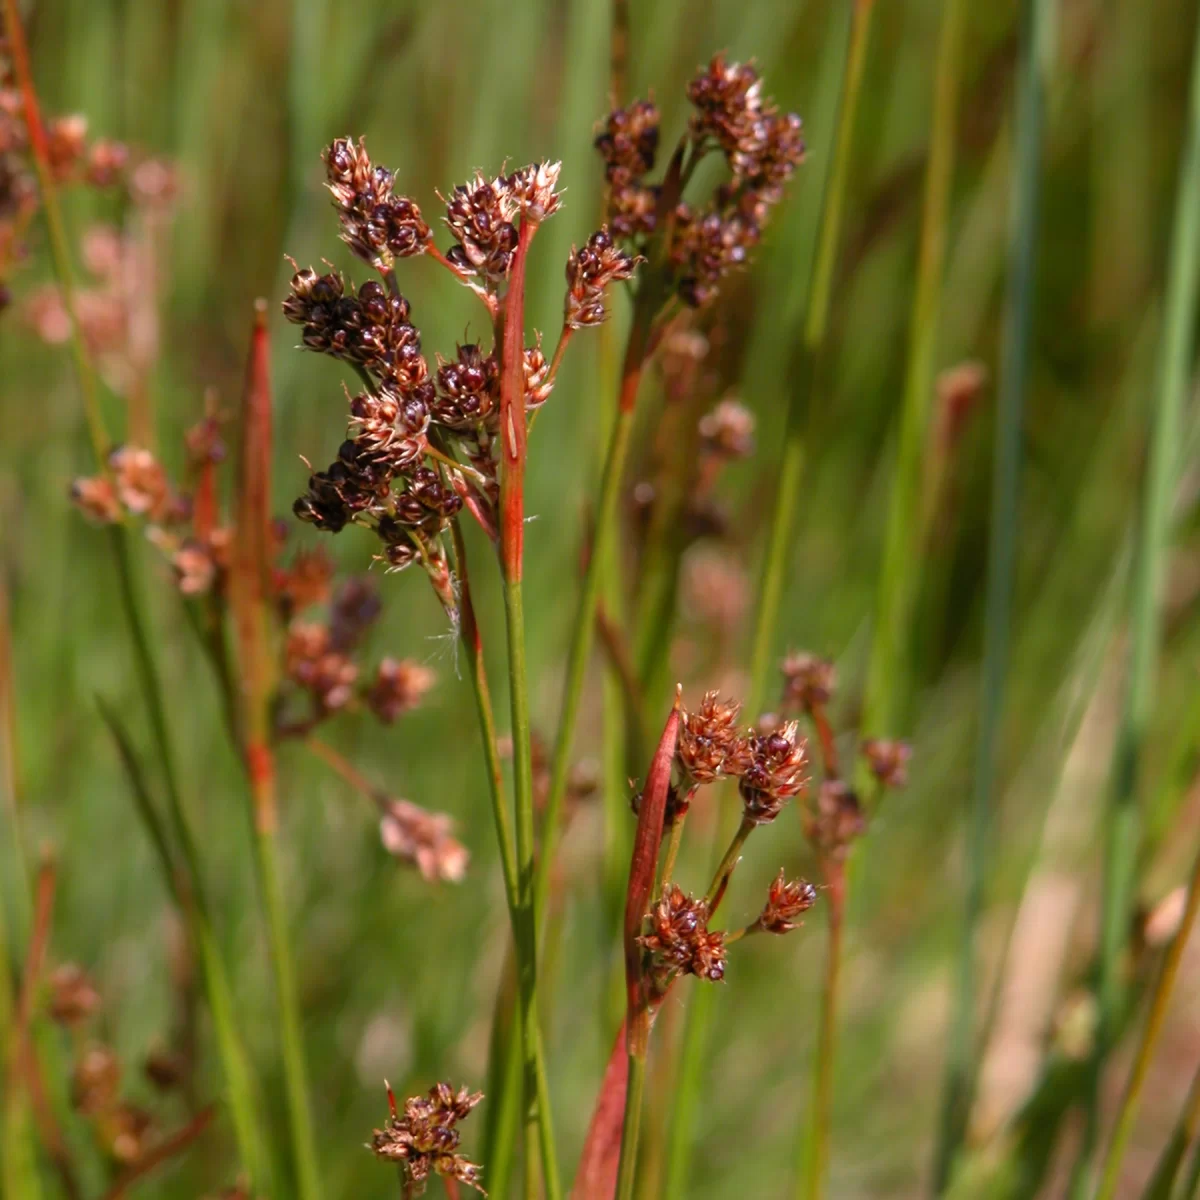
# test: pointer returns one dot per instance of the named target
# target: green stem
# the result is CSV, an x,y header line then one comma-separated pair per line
x,y
631,1126
585,615
1171,1159
500,1158
1162,473
527,924
902,558
720,879
1035,30
816,1160
820,287
291,1032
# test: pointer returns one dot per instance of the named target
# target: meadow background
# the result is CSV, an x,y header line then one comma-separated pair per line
x,y
398,976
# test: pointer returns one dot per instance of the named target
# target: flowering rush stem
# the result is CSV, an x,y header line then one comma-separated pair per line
x,y
816,1152
643,869
538,1134
637,351
250,594
39,145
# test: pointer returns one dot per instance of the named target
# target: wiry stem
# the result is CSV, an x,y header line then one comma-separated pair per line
x,y
1161,475
816,1149
820,290
1002,542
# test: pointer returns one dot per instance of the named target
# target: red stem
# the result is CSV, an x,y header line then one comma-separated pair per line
x,y
512,411
642,869
167,1148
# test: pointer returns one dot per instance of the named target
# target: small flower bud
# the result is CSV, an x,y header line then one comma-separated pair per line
x,y
808,681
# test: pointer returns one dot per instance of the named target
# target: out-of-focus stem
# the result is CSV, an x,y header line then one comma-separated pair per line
x,y
816,1148
820,288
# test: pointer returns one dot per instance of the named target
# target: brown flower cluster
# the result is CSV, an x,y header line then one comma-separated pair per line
x,y
679,941
377,225
136,485
762,148
786,901
422,441
425,839
123,1129
424,1140
320,663
835,816
769,767
75,160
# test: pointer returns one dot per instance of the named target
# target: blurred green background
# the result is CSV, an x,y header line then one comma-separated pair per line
x,y
398,976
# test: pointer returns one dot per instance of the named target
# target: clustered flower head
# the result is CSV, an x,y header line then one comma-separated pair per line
x,y
320,662
711,745
786,901
424,1140
774,773
679,941
835,816
75,160
423,439
761,146
121,1128
424,839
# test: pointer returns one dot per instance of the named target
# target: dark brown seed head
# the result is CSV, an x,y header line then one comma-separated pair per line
x,y
887,759
479,215
786,901
590,271
628,142
774,773
468,389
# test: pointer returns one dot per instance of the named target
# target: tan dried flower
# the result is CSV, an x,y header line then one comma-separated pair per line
x,y
423,838
141,483
96,498
95,1080
397,688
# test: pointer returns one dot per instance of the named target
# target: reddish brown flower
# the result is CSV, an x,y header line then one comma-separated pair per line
x,y
310,662
774,774
785,902
679,941
710,744
887,759
590,272
424,1141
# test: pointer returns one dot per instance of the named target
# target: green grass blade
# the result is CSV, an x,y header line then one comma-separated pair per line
x,y
887,680
1162,474
820,289
1036,18
239,1082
